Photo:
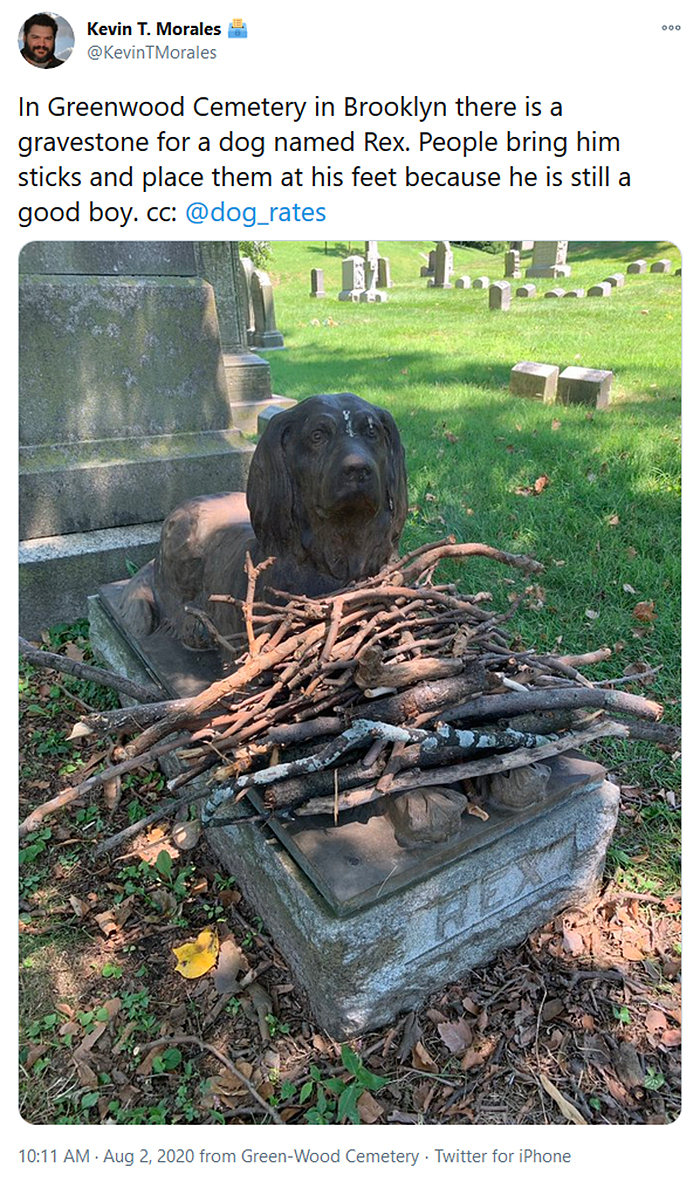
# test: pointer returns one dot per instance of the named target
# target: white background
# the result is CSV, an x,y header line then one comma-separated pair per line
x,y
616,72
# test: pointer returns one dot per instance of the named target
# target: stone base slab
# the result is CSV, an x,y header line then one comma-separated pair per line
x,y
360,970
56,574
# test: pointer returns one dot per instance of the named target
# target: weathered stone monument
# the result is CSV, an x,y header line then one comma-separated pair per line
x,y
371,294
463,283
522,247
266,334
528,379
575,293
637,268
384,272
616,280
353,279
662,267
512,270
499,296
136,383
555,293
549,261
427,271
317,290
527,291
481,284
443,266
590,387
602,290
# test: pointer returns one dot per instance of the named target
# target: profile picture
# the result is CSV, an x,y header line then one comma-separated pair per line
x,y
46,40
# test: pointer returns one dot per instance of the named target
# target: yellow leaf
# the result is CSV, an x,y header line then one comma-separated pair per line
x,y
195,959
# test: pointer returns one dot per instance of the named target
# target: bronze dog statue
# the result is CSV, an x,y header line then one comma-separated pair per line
x,y
326,498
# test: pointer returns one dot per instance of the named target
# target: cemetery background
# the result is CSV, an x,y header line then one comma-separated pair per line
x,y
595,495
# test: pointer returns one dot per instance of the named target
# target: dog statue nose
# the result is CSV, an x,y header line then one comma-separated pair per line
x,y
355,469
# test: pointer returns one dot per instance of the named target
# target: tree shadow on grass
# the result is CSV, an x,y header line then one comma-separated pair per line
x,y
627,251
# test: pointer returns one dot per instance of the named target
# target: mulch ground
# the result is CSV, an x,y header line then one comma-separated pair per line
x,y
580,1023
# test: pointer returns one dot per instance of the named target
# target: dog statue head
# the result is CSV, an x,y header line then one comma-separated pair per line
x,y
327,487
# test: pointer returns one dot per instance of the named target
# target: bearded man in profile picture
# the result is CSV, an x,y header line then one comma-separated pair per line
x,y
40,41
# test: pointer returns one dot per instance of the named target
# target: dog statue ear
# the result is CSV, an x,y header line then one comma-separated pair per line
x,y
396,477
269,493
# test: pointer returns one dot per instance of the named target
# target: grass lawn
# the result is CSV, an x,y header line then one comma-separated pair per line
x,y
606,526
97,985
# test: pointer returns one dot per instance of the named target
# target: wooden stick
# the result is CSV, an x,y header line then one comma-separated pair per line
x,y
455,773
71,794
505,705
469,550
85,672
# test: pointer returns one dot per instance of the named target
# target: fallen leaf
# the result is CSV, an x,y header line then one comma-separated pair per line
x,y
552,1009
368,1109
541,483
421,1059
35,1053
232,964
645,612
626,586
628,1066
573,943
555,424
590,614
79,907
196,959
614,519
566,1108
106,923
456,1035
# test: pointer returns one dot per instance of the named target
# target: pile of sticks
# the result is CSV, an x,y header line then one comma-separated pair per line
x,y
338,700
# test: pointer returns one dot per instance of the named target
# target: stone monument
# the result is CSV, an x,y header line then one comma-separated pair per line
x,y
317,290
136,384
443,266
353,279
549,261
266,334
512,270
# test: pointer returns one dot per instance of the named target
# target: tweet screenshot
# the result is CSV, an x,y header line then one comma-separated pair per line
x,y
349,605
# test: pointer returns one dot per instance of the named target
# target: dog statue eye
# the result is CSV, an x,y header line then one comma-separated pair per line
x,y
370,430
318,435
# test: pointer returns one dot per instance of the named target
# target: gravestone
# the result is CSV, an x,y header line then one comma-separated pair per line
x,y
575,293
549,261
463,282
371,294
600,289
266,335
677,272
527,291
637,268
443,266
590,387
247,269
616,280
481,284
135,378
522,247
384,272
317,290
427,271
353,279
555,293
512,270
499,296
662,267
528,379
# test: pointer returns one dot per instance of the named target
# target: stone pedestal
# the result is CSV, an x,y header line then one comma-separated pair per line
x,y
369,927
